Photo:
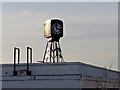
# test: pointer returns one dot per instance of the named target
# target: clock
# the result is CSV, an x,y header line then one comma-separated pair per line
x,y
53,28
56,28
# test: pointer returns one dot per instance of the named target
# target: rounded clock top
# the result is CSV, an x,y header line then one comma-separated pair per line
x,y
49,20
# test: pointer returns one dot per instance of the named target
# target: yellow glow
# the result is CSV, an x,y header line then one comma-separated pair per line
x,y
47,31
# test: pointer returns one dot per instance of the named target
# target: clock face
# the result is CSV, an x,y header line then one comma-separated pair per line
x,y
56,28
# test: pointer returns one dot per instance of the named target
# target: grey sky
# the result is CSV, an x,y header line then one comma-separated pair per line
x,y
90,30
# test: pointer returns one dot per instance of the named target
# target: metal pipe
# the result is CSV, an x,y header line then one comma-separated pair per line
x,y
30,55
60,53
28,48
16,49
56,51
18,55
53,52
45,52
50,51
27,59
15,59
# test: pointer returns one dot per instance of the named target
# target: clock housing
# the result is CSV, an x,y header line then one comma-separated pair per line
x,y
53,28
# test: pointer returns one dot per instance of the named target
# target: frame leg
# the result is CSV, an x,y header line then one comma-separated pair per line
x,y
45,51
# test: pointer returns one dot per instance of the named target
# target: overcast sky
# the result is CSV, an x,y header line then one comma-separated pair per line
x,y
91,33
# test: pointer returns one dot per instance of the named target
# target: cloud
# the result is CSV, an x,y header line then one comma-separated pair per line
x,y
24,13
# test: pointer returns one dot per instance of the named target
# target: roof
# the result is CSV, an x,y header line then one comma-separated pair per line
x,y
53,64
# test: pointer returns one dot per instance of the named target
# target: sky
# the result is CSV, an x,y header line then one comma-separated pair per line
x,y
1,31
90,34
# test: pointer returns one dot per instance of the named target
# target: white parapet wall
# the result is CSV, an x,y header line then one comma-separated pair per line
x,y
59,75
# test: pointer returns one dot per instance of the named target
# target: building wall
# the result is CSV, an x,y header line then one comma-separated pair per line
x,y
59,75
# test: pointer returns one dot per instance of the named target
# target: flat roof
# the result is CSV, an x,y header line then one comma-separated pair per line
x,y
53,64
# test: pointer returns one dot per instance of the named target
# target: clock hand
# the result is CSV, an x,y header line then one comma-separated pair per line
x,y
55,28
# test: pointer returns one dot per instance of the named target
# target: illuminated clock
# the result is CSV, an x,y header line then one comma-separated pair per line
x,y
53,28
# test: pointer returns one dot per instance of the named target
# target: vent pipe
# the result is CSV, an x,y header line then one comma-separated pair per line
x,y
29,57
15,50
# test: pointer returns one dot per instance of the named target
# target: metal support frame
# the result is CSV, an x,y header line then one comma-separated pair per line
x,y
45,52
29,57
53,52
15,50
